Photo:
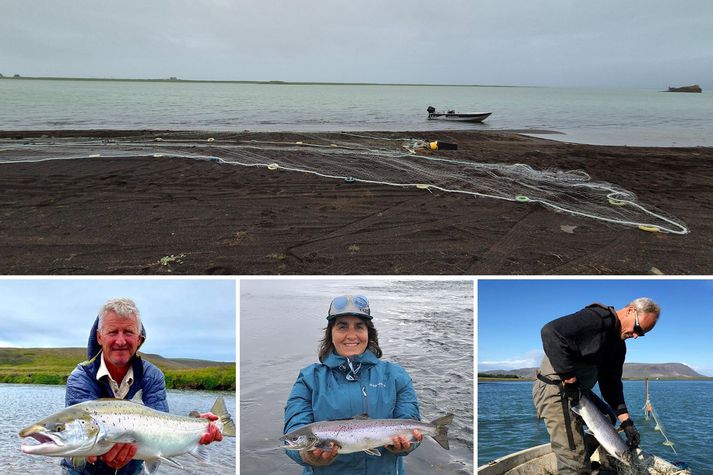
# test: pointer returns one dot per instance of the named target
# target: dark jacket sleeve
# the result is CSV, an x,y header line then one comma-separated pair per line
x,y
610,373
572,338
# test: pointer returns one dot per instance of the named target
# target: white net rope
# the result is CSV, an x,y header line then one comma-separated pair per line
x,y
402,162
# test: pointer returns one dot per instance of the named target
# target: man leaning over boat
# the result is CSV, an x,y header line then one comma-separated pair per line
x,y
582,349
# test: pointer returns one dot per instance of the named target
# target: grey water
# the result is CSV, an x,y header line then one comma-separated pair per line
x,y
596,116
426,327
24,404
506,420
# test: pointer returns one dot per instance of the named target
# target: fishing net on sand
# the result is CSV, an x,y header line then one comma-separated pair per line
x,y
397,162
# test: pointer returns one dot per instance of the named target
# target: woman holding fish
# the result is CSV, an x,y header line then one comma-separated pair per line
x,y
351,381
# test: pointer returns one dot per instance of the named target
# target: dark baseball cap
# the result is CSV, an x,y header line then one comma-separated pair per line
x,y
345,305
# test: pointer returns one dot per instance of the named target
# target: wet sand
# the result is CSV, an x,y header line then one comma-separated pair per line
x,y
185,216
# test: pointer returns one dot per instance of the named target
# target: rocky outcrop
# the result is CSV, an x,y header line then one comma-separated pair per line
x,y
693,88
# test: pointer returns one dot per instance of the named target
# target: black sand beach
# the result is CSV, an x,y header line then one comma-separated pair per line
x,y
185,216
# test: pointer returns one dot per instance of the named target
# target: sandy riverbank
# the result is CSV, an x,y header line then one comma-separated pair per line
x,y
130,215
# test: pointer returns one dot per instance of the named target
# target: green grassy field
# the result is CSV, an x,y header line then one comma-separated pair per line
x,y
53,365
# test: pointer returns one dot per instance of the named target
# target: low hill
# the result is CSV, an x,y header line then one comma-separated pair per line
x,y
53,365
631,371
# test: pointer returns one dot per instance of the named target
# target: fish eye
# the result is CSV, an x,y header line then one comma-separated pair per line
x,y
59,427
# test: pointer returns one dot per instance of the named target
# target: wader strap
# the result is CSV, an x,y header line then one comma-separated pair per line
x,y
568,422
565,408
546,380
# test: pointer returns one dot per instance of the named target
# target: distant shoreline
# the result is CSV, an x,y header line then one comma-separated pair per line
x,y
217,81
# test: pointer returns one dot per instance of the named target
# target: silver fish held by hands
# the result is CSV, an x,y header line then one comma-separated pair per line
x,y
91,428
602,429
364,434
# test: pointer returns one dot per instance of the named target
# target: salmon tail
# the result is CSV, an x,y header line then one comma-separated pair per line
x,y
442,430
221,411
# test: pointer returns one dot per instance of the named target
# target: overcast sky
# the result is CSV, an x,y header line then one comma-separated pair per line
x,y
509,335
636,43
183,318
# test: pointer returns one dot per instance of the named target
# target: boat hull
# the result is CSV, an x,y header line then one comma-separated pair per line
x,y
475,117
541,460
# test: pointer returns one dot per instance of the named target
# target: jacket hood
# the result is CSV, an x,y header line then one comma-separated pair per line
x,y
93,346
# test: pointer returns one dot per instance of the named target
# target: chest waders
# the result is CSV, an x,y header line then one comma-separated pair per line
x,y
565,407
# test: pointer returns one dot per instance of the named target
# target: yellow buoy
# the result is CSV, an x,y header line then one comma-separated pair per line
x,y
615,202
273,166
211,139
522,198
651,229
423,186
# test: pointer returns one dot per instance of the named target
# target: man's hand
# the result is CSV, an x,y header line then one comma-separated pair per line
x,y
213,434
572,392
118,456
319,457
402,444
632,435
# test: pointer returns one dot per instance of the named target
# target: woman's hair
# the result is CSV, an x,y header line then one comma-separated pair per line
x,y
326,346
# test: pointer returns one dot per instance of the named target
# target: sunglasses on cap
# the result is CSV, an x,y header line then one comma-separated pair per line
x,y
355,305
637,327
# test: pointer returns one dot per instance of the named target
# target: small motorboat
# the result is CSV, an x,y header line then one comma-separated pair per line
x,y
475,117
541,459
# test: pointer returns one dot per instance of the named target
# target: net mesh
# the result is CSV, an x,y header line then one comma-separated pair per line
x,y
398,162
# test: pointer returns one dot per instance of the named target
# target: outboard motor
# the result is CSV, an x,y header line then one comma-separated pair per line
x,y
431,109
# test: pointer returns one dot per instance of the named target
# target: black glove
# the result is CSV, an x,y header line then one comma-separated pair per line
x,y
632,435
572,392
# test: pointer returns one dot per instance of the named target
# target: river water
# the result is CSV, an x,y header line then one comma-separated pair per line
x,y
426,327
596,116
506,420
21,405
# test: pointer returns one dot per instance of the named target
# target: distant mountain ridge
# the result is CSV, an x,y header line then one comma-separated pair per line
x,y
631,371
53,366
73,356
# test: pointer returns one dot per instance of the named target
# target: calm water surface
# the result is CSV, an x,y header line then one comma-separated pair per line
x,y
426,327
599,116
506,420
21,405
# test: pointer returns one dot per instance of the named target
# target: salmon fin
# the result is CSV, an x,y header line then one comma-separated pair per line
x,y
194,414
171,462
138,397
361,416
221,411
151,465
442,430
201,453
373,452
79,463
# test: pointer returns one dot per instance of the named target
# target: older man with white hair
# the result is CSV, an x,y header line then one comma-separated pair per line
x,y
115,370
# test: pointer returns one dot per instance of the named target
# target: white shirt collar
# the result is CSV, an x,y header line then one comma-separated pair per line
x,y
120,389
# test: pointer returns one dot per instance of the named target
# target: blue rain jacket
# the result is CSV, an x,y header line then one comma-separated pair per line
x,y
383,390
82,385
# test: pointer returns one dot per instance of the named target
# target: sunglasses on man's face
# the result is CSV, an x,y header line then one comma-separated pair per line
x,y
637,327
